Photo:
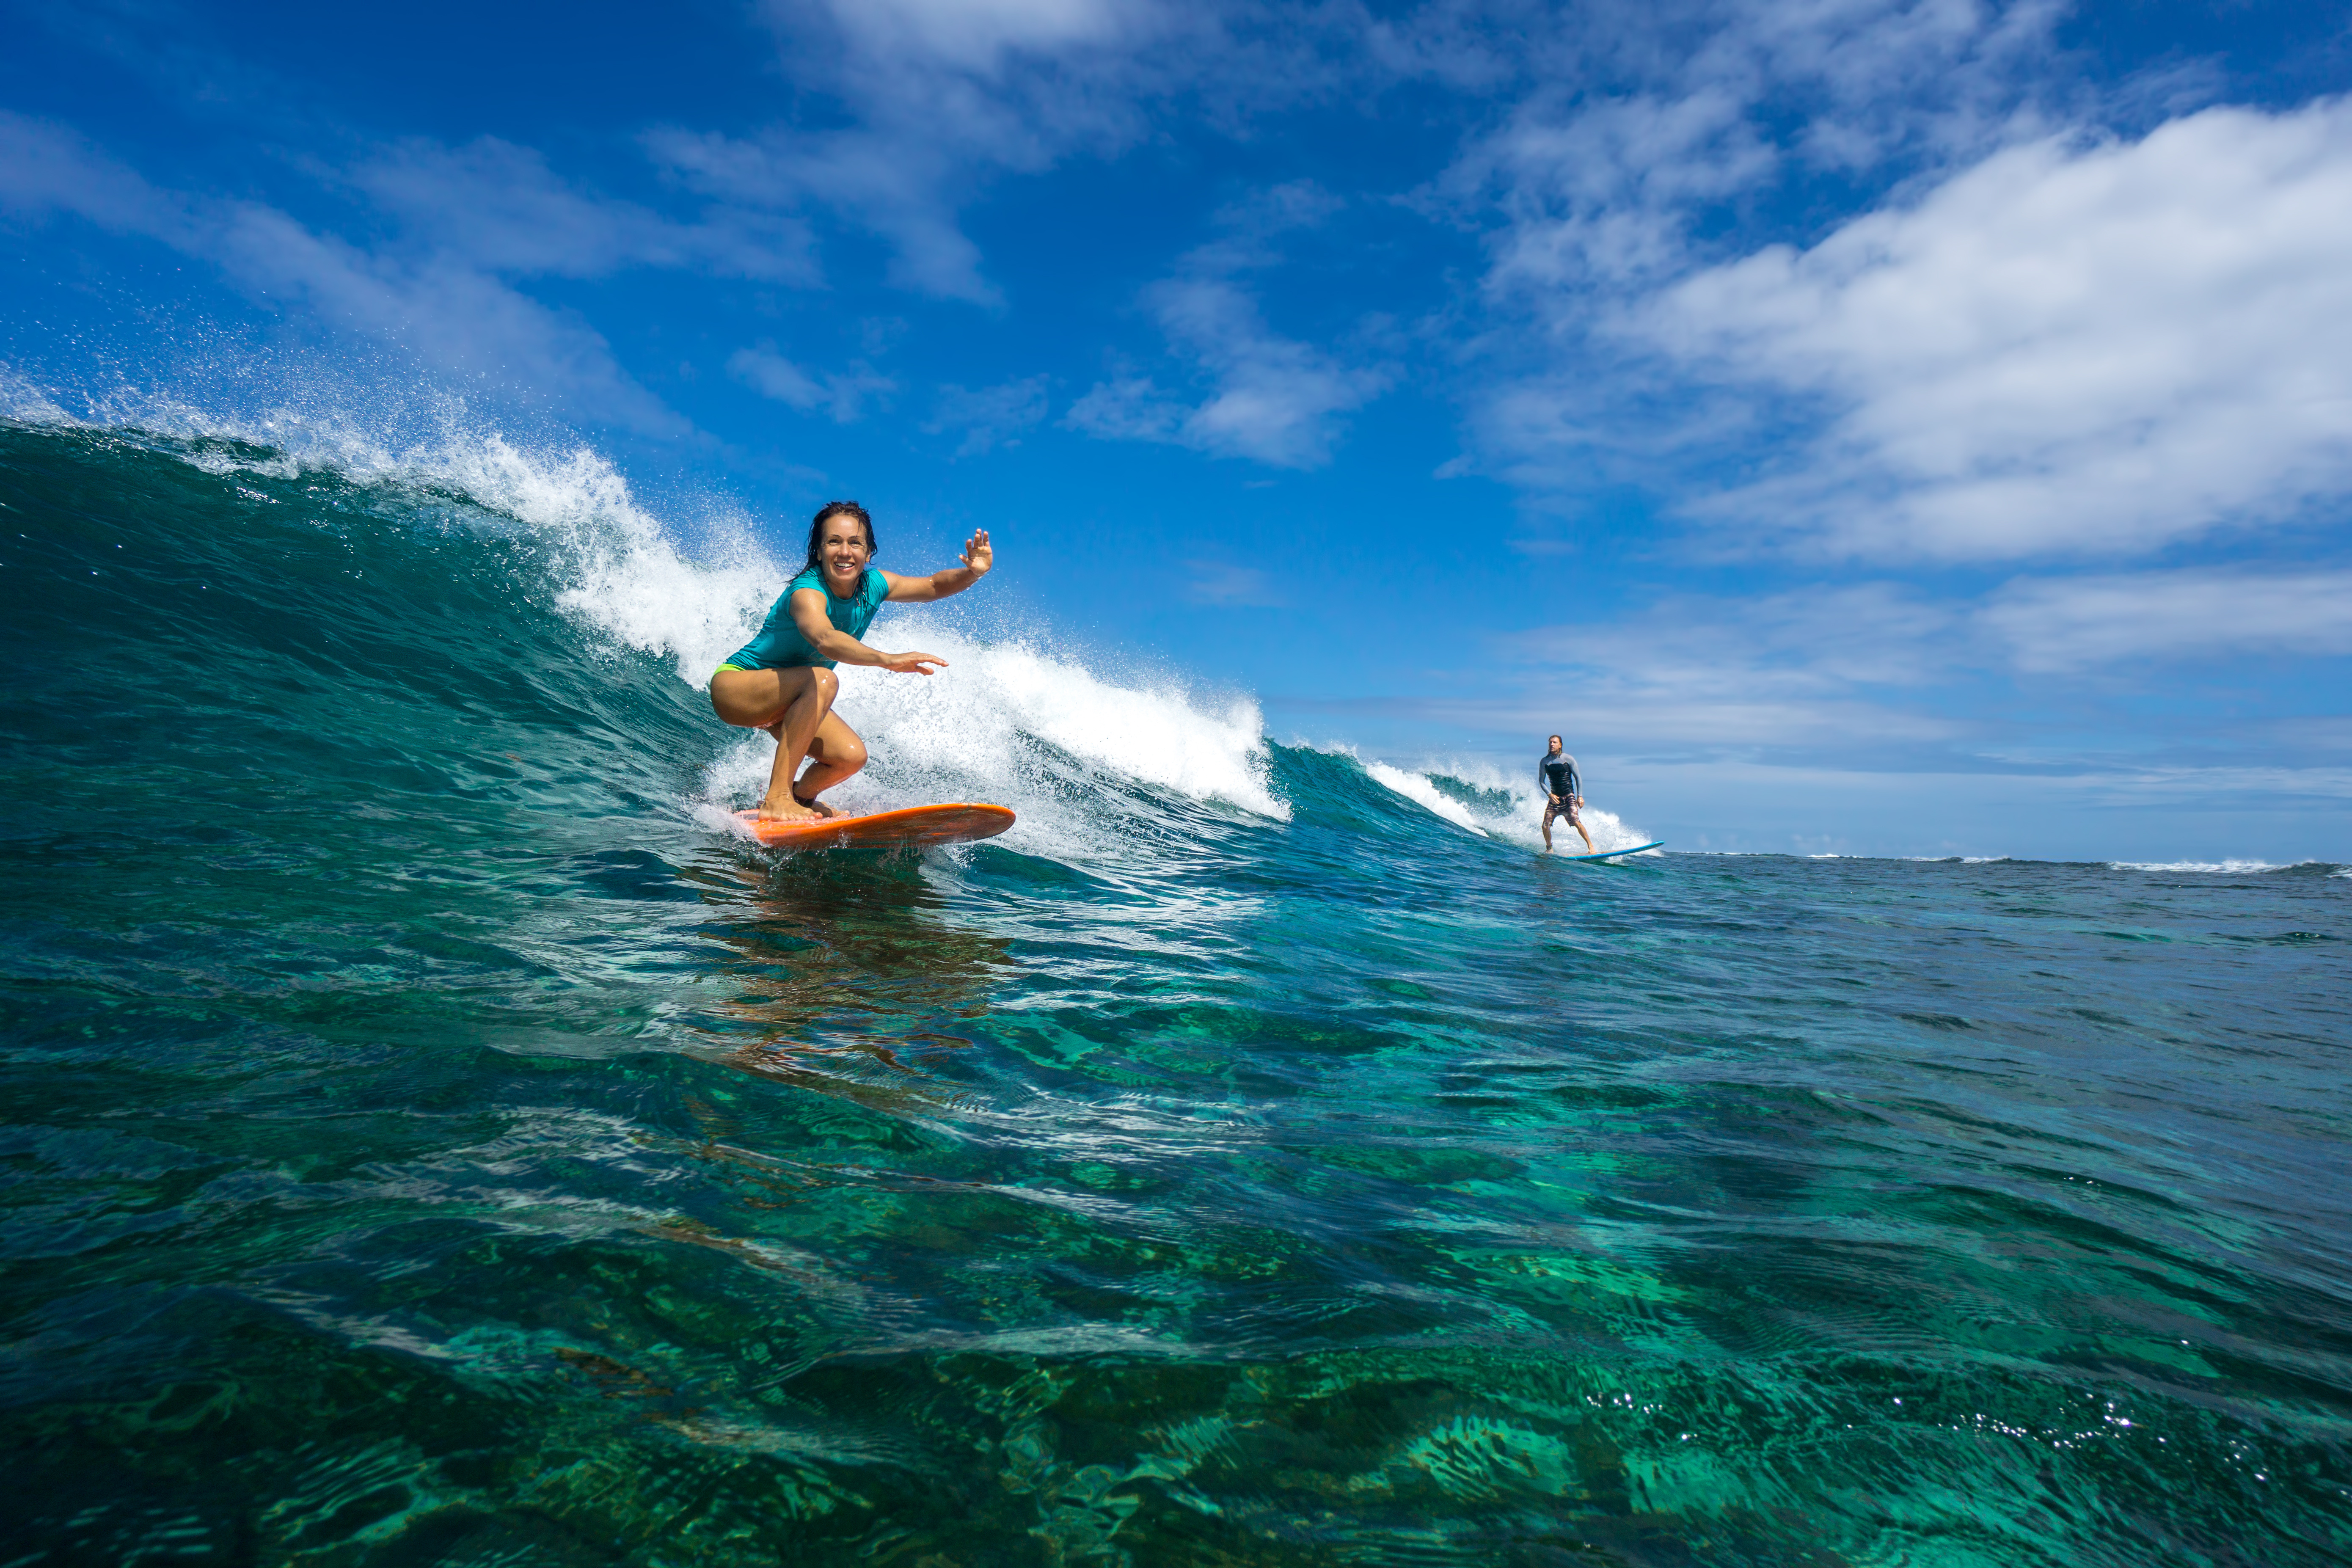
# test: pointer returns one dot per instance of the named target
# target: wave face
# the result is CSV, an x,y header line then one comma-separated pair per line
x,y
434,1137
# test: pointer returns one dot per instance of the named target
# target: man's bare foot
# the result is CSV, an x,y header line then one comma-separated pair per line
x,y
792,809
818,807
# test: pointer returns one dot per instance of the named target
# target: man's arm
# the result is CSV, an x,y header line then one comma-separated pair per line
x,y
978,557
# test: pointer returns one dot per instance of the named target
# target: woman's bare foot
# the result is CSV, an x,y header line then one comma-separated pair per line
x,y
817,807
791,809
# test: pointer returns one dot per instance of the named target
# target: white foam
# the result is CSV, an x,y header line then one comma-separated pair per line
x,y
1084,760
2218,867
993,697
1418,789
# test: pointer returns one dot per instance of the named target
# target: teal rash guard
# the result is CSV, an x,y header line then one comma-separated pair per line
x,y
779,645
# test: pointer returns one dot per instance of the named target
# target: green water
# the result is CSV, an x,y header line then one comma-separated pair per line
x,y
429,1139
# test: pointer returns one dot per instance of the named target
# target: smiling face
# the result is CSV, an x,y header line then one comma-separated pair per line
x,y
842,550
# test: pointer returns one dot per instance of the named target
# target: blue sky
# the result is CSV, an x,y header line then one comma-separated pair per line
x,y
1859,424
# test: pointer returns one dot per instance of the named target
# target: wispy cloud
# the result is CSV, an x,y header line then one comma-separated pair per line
x,y
842,393
501,207
2080,623
1273,398
443,309
1647,121
1861,669
1820,670
939,98
989,416
984,38
1230,587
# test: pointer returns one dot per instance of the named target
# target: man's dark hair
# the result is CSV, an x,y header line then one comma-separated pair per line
x,y
825,514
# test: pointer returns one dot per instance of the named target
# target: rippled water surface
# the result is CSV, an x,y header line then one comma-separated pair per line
x,y
430,1138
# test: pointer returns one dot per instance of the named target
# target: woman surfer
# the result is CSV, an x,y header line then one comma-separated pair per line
x,y
783,681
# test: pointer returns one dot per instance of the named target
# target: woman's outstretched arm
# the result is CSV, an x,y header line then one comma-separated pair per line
x,y
830,642
977,559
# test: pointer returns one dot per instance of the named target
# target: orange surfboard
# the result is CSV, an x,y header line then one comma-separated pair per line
x,y
916,826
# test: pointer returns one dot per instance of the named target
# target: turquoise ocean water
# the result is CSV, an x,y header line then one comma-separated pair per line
x,y
430,1137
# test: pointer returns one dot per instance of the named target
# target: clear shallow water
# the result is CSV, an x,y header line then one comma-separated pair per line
x,y
429,1139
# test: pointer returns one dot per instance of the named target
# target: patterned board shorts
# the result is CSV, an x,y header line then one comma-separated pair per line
x,y
1563,807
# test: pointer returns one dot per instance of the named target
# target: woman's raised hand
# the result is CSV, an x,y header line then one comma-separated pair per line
x,y
912,663
977,553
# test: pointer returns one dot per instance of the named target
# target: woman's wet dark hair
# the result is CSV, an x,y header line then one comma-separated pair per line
x,y
825,514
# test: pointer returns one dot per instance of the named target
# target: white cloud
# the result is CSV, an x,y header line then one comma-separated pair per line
x,y
1647,117
2067,348
975,34
1835,669
1229,586
501,207
1654,138
893,180
2076,623
1865,667
1272,398
445,311
49,168
1275,399
941,95
841,394
1129,408
450,316
938,97
990,415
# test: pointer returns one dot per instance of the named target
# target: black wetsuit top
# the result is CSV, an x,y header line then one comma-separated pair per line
x,y
1556,775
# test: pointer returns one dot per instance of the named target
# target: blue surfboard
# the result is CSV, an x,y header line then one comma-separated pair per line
x,y
1613,854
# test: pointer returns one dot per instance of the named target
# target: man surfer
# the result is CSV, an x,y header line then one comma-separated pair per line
x,y
783,681
1556,776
